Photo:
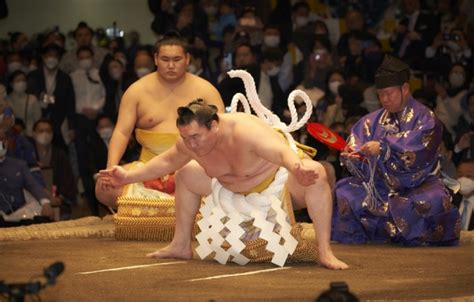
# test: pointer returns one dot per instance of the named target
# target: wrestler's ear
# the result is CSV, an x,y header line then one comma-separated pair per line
x,y
214,125
187,57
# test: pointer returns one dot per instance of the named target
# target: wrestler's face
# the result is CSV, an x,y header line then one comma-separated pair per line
x,y
393,99
199,139
171,62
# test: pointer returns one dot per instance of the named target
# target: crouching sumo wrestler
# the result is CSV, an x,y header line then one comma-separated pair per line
x,y
242,166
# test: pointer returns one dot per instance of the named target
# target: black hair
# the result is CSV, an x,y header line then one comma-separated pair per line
x,y
43,120
272,55
197,111
84,48
15,74
171,38
83,24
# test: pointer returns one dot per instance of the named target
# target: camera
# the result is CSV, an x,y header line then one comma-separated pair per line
x,y
338,292
454,37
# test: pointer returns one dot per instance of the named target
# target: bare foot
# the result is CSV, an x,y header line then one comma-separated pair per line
x,y
172,251
331,262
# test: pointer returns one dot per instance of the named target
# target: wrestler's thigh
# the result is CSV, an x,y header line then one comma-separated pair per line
x,y
194,178
298,191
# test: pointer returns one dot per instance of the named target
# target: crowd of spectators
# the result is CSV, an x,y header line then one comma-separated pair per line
x,y
65,99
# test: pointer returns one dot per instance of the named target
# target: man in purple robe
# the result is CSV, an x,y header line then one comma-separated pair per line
x,y
394,194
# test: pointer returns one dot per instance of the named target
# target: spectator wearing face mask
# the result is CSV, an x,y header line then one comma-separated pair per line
x,y
100,145
198,64
449,95
14,62
90,100
25,105
292,58
55,93
143,64
55,167
15,177
83,36
19,146
116,81
464,147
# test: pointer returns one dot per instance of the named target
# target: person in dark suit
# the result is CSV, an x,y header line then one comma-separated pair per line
x,y
54,90
414,33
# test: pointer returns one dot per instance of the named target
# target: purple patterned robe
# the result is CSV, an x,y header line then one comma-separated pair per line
x,y
403,201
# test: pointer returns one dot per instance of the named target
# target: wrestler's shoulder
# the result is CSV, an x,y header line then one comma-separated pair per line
x,y
200,82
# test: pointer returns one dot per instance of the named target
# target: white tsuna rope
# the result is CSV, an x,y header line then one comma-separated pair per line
x,y
264,208
263,112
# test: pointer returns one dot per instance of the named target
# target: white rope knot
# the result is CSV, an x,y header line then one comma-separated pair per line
x,y
265,209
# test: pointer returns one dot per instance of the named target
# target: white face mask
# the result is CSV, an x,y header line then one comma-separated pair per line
x,y
106,133
467,185
19,87
14,66
3,149
334,87
273,71
301,21
271,41
85,64
141,72
116,74
456,80
51,63
192,69
44,138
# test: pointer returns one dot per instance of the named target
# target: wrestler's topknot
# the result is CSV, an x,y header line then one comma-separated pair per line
x,y
198,111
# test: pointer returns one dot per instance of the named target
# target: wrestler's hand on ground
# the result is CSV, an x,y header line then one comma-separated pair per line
x,y
305,176
371,148
113,177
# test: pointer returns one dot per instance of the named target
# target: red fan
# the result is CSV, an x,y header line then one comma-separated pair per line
x,y
326,136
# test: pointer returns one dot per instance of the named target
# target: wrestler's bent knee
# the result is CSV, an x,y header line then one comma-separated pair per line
x,y
107,197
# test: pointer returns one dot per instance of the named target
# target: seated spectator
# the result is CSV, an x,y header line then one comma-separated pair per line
x,y
19,146
448,102
16,177
55,167
25,106
464,147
